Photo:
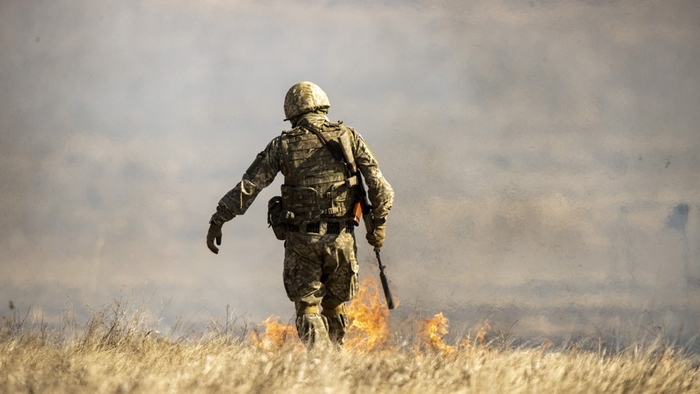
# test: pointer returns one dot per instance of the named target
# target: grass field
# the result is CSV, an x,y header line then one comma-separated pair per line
x,y
115,351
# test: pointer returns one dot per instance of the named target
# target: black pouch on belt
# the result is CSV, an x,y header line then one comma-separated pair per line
x,y
278,217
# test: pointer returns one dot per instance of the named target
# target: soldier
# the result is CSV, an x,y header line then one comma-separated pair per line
x,y
318,194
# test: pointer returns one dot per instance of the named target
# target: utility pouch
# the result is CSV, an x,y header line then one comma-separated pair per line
x,y
278,217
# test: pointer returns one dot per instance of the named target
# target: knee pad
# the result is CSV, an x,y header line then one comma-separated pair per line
x,y
312,329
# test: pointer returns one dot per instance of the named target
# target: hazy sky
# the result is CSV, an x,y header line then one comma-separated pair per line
x,y
544,154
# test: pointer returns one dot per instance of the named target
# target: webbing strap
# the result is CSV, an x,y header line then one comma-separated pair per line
x,y
350,166
310,310
335,150
338,310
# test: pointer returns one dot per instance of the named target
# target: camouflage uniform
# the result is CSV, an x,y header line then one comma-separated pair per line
x,y
319,264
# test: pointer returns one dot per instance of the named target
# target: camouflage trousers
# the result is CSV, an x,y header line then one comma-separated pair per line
x,y
320,269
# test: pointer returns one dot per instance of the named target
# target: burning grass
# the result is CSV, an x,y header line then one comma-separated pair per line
x,y
116,351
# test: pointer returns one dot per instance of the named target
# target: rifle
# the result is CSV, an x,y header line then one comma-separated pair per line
x,y
385,282
363,207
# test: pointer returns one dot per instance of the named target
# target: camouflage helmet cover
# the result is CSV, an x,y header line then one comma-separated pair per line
x,y
304,97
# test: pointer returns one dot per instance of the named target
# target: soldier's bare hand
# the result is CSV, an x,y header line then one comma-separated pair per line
x,y
214,234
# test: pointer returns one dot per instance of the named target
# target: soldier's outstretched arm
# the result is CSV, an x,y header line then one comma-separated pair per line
x,y
258,176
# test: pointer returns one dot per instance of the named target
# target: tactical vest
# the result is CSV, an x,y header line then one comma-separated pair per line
x,y
316,185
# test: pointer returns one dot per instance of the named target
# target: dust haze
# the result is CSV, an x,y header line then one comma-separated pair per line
x,y
544,155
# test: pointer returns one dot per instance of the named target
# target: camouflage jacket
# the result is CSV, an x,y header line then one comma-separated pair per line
x,y
315,183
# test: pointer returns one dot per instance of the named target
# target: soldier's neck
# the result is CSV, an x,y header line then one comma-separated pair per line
x,y
315,118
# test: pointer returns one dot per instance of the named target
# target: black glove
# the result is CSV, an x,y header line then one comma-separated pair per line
x,y
214,233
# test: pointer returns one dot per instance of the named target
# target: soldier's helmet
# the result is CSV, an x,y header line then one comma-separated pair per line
x,y
304,97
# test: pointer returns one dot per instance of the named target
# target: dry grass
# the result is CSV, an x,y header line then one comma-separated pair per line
x,y
115,351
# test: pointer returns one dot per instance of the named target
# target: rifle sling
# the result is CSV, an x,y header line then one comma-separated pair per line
x,y
338,153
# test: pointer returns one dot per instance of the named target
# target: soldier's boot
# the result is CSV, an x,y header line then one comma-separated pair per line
x,y
337,323
312,327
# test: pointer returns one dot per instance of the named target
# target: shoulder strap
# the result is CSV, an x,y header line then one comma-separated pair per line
x,y
343,153
334,147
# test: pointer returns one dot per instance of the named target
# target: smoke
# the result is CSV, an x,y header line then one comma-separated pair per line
x,y
544,155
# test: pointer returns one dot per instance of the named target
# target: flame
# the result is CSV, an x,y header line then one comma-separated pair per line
x,y
368,328
481,334
368,319
431,332
276,334
480,339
